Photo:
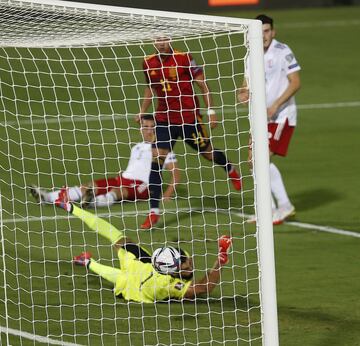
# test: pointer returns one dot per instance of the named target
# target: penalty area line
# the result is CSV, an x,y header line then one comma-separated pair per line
x,y
38,338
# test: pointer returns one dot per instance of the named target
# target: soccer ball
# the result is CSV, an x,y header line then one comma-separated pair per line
x,y
166,260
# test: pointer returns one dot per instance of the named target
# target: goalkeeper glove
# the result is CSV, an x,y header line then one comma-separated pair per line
x,y
224,243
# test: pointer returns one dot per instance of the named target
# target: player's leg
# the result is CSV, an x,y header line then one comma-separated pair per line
x,y
278,187
284,208
139,252
280,135
165,139
44,196
114,195
97,224
196,136
155,187
99,192
127,189
108,273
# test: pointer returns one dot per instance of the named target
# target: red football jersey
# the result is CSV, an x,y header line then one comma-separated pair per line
x,y
171,78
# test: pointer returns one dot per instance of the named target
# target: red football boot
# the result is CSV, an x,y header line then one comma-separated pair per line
x,y
63,200
151,220
235,179
83,259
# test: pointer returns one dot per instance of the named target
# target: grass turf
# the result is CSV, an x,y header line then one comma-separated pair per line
x,y
317,273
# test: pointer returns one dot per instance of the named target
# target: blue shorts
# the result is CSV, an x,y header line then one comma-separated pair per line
x,y
195,135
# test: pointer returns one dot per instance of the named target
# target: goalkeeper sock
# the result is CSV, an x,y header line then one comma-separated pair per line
x,y
155,184
108,273
220,159
98,225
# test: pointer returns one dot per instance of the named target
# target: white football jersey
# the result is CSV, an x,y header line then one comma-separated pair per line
x,y
279,62
139,165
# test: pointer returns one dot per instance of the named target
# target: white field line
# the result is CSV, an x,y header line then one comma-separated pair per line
x,y
320,228
87,118
326,229
330,105
34,337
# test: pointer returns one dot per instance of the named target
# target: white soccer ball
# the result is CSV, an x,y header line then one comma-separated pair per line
x,y
166,260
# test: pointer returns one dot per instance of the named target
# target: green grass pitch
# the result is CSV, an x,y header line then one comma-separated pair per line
x,y
317,272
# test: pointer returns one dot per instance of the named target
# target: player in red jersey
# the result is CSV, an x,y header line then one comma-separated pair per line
x,y
170,75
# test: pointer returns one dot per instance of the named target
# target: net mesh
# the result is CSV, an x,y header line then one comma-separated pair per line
x,y
71,82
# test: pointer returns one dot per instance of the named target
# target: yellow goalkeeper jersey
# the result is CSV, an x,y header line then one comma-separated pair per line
x,y
140,282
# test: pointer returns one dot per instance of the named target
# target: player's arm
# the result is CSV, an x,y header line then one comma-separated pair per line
x,y
174,170
212,277
206,284
205,92
293,87
146,102
243,92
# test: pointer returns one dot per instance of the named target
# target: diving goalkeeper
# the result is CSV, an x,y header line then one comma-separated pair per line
x,y
167,274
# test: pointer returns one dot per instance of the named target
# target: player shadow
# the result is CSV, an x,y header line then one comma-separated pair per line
x,y
226,303
310,199
212,303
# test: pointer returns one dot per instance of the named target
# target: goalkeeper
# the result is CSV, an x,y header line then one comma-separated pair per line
x,y
137,279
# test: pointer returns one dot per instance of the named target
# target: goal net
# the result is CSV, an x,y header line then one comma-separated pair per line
x,y
71,84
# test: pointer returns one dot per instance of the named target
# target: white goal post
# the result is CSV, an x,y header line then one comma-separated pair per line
x,y
71,83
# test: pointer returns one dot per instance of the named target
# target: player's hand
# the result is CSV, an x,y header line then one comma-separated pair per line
x,y
137,117
243,95
213,121
272,110
224,243
166,199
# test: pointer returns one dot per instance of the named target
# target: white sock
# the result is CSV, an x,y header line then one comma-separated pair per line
x,y
278,187
155,211
105,200
273,204
74,195
51,197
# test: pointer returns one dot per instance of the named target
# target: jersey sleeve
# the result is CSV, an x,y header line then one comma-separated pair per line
x,y
290,63
195,70
170,158
146,69
178,288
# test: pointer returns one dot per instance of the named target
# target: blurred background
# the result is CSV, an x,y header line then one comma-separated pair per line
x,y
216,5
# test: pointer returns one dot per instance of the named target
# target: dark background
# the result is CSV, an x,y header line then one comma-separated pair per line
x,y
200,6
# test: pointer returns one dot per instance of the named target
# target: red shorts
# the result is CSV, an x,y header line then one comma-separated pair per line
x,y
136,189
279,137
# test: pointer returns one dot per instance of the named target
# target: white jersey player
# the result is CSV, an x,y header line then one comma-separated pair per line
x,y
130,185
282,81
